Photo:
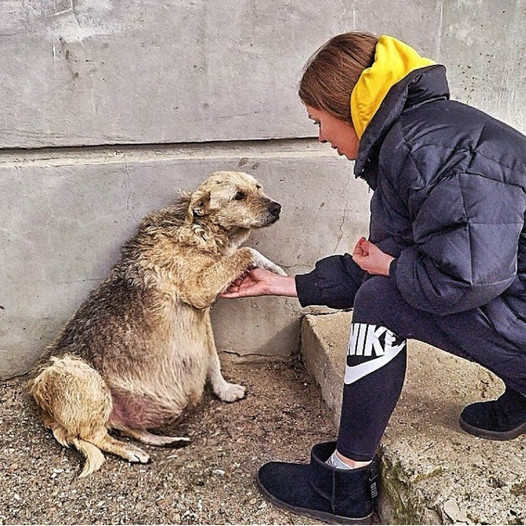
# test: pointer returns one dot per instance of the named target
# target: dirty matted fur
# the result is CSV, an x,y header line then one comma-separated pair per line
x,y
139,350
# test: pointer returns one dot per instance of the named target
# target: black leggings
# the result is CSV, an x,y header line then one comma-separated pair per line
x,y
376,360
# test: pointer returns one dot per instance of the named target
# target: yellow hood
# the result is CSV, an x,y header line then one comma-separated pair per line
x,y
393,60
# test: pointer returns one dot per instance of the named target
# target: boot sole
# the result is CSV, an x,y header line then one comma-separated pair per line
x,y
492,435
313,514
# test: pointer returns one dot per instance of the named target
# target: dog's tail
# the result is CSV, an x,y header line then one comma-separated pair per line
x,y
94,456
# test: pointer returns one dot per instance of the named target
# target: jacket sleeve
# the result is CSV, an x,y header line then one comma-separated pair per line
x,y
466,234
333,283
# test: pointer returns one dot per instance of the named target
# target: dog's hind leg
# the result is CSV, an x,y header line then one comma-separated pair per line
x,y
152,440
76,404
111,445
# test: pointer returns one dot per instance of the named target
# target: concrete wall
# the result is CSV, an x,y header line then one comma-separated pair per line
x,y
108,108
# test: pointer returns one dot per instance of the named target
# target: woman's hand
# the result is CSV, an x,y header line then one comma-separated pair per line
x,y
371,259
260,282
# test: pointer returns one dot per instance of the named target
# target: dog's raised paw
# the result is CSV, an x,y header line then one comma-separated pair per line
x,y
259,260
232,392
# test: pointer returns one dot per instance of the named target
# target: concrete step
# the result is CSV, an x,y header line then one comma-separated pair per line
x,y
433,472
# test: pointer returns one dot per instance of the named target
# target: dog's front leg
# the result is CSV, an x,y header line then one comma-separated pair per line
x,y
222,389
204,285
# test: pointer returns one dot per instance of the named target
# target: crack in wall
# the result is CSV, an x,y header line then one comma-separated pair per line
x,y
344,216
130,193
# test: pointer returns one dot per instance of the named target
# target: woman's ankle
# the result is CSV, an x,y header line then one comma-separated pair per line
x,y
339,461
353,464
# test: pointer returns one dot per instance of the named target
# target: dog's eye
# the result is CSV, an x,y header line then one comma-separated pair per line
x,y
239,196
258,186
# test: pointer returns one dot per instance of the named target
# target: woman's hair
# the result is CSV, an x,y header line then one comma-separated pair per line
x,y
332,72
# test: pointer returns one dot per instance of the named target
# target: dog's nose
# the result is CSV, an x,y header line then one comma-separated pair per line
x,y
274,208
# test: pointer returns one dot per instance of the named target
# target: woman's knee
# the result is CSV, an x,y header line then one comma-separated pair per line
x,y
375,300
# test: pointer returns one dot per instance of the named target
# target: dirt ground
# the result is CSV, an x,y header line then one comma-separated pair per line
x,y
211,481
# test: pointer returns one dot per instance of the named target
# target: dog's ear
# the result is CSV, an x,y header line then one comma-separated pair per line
x,y
199,205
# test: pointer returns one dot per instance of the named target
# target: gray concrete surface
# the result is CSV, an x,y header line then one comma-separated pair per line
x,y
83,81
89,72
433,472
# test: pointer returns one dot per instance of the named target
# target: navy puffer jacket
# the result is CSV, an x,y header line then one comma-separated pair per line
x,y
449,202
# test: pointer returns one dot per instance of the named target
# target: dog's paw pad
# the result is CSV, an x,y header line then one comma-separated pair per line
x,y
232,392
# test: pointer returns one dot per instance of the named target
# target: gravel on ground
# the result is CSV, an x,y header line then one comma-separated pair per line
x,y
210,481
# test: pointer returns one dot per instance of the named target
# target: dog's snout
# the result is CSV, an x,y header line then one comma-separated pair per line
x,y
274,208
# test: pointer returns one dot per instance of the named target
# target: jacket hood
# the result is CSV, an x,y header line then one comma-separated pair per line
x,y
399,78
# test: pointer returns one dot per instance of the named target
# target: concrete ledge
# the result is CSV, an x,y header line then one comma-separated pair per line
x,y
433,472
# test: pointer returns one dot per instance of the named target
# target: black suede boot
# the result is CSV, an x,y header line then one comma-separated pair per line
x,y
320,491
501,419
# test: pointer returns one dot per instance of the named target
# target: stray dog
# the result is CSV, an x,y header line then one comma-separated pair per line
x,y
139,350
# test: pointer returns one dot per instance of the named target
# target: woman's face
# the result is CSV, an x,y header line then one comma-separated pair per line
x,y
340,134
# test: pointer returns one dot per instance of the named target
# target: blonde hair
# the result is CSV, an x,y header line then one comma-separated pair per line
x,y
332,72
